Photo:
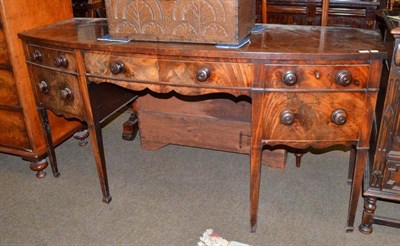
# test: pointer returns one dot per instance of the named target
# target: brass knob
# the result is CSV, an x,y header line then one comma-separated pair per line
x,y
289,78
343,77
37,55
60,61
287,117
339,117
66,94
43,87
203,73
117,67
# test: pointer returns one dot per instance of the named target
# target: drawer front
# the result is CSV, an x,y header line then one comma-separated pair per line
x,y
310,116
8,89
13,130
316,76
58,91
172,72
4,56
52,58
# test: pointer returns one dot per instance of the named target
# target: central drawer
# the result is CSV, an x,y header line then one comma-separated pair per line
x,y
171,72
314,116
58,91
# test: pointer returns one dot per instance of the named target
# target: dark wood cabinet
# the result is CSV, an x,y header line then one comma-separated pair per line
x,y
382,179
20,127
352,13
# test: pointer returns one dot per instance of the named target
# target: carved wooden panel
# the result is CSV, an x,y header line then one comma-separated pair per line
x,y
392,176
220,21
386,134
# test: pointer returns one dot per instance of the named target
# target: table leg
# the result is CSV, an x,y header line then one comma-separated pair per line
x,y
49,141
368,215
361,159
98,152
255,171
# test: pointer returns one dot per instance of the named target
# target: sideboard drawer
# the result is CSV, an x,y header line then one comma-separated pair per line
x,y
311,116
316,76
58,91
171,72
52,58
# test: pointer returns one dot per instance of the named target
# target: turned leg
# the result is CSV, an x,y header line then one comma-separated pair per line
x,y
298,158
368,215
39,167
81,136
361,159
353,152
49,141
130,127
98,152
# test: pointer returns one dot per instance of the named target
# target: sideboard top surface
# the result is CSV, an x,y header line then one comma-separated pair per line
x,y
275,42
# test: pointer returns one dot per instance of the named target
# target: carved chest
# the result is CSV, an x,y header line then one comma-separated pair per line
x,y
197,21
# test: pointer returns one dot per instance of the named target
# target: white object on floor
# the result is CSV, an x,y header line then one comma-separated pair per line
x,y
210,239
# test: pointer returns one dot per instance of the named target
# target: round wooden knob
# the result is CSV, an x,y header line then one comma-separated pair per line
x,y
287,117
66,94
36,55
289,78
343,77
203,74
60,61
43,87
339,117
117,67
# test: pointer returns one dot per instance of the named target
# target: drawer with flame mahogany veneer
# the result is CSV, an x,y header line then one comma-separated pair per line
x,y
171,72
58,91
316,76
52,58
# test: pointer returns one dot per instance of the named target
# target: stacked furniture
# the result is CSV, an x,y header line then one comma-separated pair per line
x,y
21,132
382,179
354,13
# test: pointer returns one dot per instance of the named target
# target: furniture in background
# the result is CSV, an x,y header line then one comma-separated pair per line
x,y
21,132
88,8
305,93
353,13
382,177
324,13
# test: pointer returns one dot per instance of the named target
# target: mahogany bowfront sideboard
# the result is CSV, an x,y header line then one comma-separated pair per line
x,y
309,87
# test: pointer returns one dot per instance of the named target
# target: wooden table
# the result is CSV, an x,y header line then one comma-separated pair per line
x,y
310,87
